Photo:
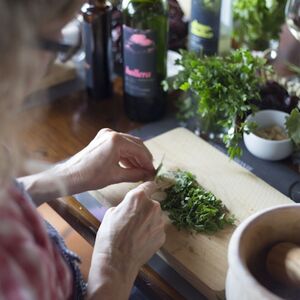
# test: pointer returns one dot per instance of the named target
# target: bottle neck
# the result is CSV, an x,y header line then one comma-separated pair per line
x,y
98,3
115,2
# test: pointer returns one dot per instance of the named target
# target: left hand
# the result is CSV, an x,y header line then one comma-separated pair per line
x,y
111,157
128,236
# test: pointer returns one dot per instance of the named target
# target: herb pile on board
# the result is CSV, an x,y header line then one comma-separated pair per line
x,y
193,208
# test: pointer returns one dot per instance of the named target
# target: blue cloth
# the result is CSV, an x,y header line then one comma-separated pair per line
x,y
73,261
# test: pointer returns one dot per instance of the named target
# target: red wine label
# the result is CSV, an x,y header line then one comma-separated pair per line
x,y
139,48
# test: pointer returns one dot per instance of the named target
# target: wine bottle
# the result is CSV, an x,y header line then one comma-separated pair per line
x,y
96,32
210,27
145,40
116,31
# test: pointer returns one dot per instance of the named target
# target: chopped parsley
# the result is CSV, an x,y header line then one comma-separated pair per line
x,y
193,208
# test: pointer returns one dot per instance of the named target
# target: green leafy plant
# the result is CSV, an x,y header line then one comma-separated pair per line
x,y
221,88
256,22
293,127
294,68
193,208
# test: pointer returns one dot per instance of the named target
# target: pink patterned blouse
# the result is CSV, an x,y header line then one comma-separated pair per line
x,y
31,265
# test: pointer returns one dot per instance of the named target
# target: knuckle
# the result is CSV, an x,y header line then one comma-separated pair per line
x,y
130,193
105,130
140,194
110,210
156,206
129,198
136,196
115,137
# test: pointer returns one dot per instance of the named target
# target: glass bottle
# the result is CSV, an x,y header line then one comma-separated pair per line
x,y
210,27
96,30
145,42
116,31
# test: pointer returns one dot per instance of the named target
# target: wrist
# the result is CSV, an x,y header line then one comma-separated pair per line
x,y
106,273
77,178
47,185
65,174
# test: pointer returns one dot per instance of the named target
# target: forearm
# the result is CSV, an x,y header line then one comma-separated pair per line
x,y
48,185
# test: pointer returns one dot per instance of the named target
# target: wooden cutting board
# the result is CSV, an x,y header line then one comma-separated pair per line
x,y
202,259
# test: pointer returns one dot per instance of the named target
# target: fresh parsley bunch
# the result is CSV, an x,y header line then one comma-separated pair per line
x,y
221,89
257,22
193,208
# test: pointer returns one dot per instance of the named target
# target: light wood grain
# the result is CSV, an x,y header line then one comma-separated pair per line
x,y
202,259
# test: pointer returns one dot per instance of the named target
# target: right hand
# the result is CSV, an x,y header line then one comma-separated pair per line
x,y
129,235
111,157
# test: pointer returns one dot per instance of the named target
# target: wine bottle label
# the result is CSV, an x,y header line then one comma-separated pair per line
x,y
204,27
139,48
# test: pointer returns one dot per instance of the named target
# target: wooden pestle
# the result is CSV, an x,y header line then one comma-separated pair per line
x,y
283,264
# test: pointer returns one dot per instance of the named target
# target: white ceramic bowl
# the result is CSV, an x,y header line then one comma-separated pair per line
x,y
249,246
268,149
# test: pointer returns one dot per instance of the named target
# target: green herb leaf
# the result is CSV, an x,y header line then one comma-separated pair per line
x,y
185,86
293,126
294,68
193,208
257,22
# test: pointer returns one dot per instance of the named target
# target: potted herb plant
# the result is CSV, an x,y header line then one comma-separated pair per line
x,y
219,91
257,22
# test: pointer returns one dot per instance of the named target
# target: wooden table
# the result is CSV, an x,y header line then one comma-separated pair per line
x,y
60,128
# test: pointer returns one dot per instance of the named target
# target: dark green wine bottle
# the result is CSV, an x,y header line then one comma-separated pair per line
x,y
145,41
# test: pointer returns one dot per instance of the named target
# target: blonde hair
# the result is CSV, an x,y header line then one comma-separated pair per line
x,y
21,23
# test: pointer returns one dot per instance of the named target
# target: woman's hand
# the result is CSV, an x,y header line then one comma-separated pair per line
x,y
111,157
128,236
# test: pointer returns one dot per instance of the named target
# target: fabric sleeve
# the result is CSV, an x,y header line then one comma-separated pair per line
x,y
30,265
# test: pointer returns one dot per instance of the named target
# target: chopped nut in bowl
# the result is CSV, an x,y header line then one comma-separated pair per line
x,y
273,133
270,140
